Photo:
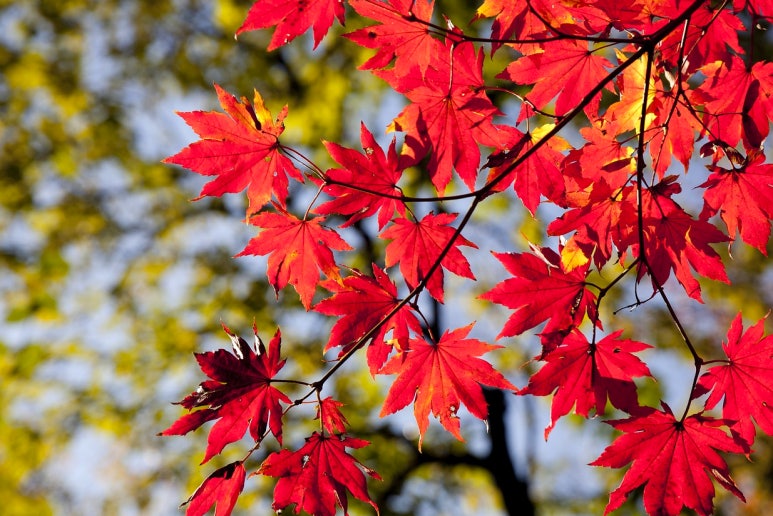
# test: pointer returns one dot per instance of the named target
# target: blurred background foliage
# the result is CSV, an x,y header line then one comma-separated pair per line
x,y
110,279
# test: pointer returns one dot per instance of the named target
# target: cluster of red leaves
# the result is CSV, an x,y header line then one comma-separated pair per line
x,y
648,81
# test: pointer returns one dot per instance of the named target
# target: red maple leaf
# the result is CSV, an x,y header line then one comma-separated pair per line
x,y
542,291
597,178
222,488
539,175
672,133
241,148
441,376
329,414
239,394
404,34
292,18
674,240
317,476
564,68
416,245
298,250
738,101
584,375
362,187
363,301
745,381
524,20
710,36
673,459
449,115
743,197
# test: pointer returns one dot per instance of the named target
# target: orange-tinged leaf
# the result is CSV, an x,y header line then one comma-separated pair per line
x,y
449,115
565,69
329,413
241,148
403,34
439,377
416,245
298,251
363,301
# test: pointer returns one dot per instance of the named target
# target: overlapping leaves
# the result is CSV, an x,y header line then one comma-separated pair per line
x,y
680,76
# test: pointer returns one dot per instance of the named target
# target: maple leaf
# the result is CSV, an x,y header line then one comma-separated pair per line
x,y
563,68
539,175
522,20
710,35
221,488
744,381
317,476
738,102
363,186
672,134
542,291
363,302
403,34
597,178
298,250
625,114
674,240
332,420
241,147
438,377
416,245
743,197
449,115
293,18
239,394
584,375
673,459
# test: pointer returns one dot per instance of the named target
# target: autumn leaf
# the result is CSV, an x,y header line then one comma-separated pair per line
x,y
598,192
745,381
536,176
317,476
221,489
625,114
241,148
329,413
674,241
403,34
363,301
239,394
541,290
449,115
439,377
674,460
585,375
738,101
362,188
298,251
416,245
743,196
292,18
565,69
